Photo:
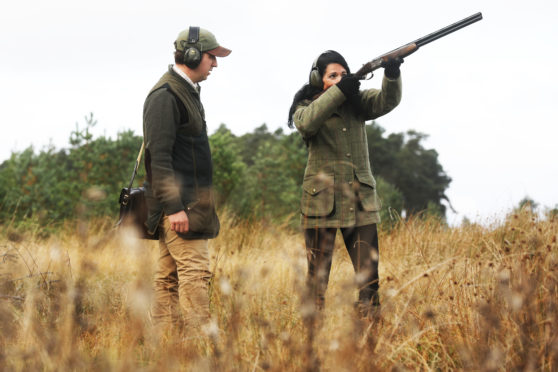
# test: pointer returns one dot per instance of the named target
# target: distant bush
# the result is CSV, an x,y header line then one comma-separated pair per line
x,y
54,185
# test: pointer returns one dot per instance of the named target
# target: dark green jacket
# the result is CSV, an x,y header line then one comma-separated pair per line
x,y
178,158
338,187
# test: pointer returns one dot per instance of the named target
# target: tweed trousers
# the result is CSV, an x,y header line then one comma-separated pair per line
x,y
182,276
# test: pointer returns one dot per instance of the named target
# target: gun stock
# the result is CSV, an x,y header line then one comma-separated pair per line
x,y
412,47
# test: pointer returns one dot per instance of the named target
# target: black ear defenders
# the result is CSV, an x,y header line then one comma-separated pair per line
x,y
192,55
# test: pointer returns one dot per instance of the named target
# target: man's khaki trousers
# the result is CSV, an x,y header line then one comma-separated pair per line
x,y
182,276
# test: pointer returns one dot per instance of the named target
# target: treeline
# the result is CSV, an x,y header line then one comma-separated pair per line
x,y
256,175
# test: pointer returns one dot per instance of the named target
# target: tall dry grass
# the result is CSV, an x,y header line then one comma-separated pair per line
x,y
467,298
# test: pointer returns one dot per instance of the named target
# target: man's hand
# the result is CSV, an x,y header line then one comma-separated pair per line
x,y
179,222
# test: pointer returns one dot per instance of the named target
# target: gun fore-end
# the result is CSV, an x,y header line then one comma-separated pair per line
x,y
376,63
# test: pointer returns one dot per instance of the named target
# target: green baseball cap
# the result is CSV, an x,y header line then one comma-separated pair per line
x,y
204,41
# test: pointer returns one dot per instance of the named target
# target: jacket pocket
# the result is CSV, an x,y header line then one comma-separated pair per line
x,y
368,196
201,217
317,196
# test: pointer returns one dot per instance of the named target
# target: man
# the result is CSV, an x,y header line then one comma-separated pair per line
x,y
179,180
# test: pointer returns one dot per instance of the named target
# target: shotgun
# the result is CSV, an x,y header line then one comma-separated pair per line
x,y
412,47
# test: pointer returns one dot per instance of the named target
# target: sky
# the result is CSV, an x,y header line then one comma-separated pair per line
x,y
485,95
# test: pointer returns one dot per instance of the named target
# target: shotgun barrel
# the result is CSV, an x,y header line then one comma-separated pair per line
x,y
448,30
412,47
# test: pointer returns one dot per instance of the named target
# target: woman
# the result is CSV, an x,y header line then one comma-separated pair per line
x,y
339,191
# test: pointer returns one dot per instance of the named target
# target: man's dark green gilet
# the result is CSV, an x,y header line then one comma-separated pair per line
x,y
191,161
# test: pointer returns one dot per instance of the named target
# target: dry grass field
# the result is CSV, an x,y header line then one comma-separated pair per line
x,y
482,298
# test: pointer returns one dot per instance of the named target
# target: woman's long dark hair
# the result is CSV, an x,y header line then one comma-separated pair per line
x,y
309,91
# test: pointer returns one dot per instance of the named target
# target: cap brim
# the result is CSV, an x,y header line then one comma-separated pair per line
x,y
219,52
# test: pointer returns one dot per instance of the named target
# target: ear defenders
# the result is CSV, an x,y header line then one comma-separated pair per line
x,y
192,55
315,76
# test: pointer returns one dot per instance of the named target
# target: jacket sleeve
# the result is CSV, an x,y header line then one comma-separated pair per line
x,y
309,118
376,103
161,116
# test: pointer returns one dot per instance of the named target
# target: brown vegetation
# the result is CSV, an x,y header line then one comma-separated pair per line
x,y
465,298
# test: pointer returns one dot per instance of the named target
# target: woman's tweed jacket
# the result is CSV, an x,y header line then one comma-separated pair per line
x,y
338,187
